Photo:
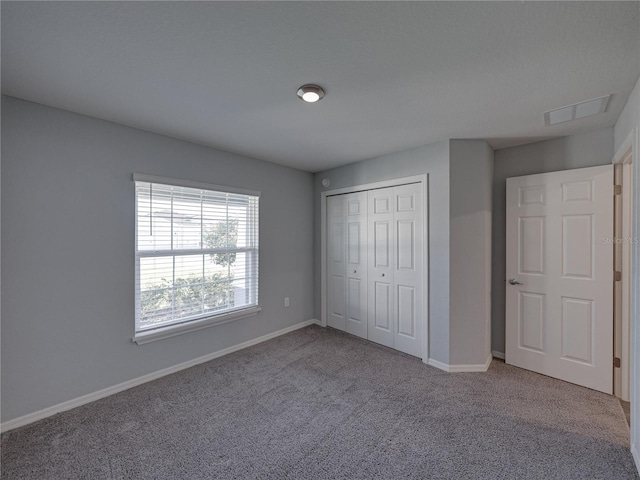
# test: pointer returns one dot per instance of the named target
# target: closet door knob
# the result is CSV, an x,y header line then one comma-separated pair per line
x,y
383,274
354,271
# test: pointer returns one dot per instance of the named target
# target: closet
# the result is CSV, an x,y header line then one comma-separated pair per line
x,y
375,247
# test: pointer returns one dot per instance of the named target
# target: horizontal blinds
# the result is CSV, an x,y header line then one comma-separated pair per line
x,y
196,253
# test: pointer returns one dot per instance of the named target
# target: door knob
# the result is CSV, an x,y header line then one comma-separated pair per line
x,y
354,271
383,274
513,281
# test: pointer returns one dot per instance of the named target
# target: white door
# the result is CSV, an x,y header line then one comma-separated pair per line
x,y
407,277
347,263
356,267
336,268
396,303
559,291
380,285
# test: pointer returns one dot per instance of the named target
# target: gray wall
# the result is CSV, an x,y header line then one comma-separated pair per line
x,y
576,151
68,252
432,159
471,172
629,121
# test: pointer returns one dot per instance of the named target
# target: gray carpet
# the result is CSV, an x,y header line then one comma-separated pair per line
x,y
626,408
320,404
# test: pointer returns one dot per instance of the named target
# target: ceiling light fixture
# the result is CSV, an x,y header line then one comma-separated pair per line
x,y
310,93
577,110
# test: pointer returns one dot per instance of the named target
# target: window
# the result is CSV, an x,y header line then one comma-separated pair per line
x,y
196,256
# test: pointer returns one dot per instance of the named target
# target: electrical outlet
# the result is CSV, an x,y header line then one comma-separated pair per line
x,y
286,301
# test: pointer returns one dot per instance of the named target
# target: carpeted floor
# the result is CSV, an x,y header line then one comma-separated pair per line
x,y
626,408
320,404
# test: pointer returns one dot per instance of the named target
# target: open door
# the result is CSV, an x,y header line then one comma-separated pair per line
x,y
559,291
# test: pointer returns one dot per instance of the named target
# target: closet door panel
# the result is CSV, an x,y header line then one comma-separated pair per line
x,y
408,270
381,243
406,311
356,263
382,311
380,283
336,265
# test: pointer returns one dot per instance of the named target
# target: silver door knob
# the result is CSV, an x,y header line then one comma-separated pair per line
x,y
513,281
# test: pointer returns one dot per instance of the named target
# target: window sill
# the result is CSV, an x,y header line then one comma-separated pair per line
x,y
172,330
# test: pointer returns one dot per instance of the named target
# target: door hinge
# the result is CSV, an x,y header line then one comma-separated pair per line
x,y
616,362
617,189
617,276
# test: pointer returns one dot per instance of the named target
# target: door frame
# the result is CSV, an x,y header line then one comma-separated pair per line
x,y
396,182
624,158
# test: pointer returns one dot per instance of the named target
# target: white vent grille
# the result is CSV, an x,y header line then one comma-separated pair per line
x,y
577,110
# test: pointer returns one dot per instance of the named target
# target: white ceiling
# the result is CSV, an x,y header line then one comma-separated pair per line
x,y
397,74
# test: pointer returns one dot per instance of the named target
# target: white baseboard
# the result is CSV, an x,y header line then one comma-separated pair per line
x,y
105,392
437,364
461,368
497,354
636,456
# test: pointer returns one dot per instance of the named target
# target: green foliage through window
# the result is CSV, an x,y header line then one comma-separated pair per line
x,y
186,297
217,237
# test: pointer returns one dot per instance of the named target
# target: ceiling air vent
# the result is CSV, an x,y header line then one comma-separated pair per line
x,y
577,110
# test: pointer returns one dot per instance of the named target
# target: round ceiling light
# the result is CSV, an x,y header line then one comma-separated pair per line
x,y
310,93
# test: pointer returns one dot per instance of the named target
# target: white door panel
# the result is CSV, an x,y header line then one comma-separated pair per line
x,y
396,306
336,268
407,276
356,267
559,319
382,315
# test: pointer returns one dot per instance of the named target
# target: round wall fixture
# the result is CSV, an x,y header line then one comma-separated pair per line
x,y
310,93
326,182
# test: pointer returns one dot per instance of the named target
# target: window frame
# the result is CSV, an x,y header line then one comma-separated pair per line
x,y
207,319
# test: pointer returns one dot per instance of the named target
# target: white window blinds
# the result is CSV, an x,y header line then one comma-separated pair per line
x,y
196,253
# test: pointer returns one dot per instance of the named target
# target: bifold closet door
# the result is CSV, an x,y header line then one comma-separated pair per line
x,y
375,248
347,263
356,264
336,269
409,270
395,285
380,284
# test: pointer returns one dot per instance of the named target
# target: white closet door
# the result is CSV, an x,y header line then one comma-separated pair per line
x,y
380,284
408,272
336,266
396,245
375,246
356,267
